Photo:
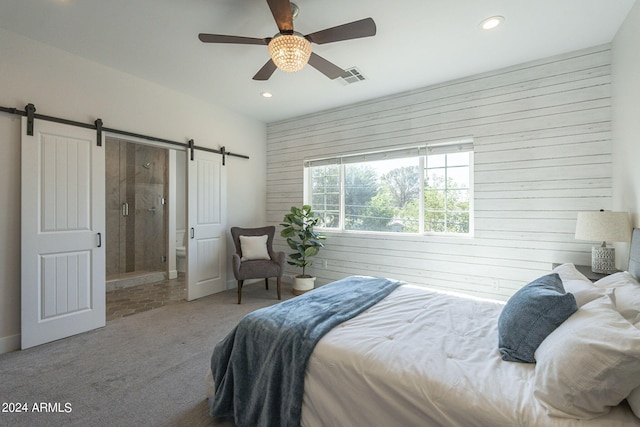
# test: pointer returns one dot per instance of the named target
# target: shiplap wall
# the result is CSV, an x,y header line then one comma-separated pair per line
x,y
542,143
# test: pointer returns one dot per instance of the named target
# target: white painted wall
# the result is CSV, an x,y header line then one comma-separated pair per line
x,y
64,85
626,122
542,137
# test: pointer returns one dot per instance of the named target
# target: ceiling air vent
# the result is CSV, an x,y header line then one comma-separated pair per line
x,y
352,75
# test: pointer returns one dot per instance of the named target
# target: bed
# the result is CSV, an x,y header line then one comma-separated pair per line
x,y
418,357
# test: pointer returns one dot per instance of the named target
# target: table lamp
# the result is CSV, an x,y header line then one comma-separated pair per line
x,y
603,226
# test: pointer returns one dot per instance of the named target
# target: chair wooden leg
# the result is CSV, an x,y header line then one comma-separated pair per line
x,y
240,291
279,286
266,283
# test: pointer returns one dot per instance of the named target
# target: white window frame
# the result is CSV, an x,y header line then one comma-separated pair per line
x,y
422,152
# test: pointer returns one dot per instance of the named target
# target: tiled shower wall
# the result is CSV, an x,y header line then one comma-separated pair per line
x,y
136,175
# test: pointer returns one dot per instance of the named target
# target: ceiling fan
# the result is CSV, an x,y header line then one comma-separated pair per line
x,y
291,51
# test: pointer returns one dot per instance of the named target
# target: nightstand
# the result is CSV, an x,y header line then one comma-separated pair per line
x,y
586,270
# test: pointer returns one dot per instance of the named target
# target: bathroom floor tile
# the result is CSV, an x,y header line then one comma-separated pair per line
x,y
136,299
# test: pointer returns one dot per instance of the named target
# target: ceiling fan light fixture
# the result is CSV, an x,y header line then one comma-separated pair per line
x,y
290,52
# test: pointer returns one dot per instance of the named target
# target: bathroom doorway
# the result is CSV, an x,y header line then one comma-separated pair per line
x,y
136,220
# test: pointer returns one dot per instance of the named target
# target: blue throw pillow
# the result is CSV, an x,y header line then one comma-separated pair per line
x,y
530,315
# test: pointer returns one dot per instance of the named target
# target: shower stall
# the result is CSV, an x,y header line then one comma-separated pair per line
x,y
136,231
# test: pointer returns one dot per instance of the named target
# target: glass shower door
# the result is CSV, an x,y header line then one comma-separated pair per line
x,y
136,226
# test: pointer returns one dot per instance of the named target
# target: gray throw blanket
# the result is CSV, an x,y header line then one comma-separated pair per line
x,y
259,368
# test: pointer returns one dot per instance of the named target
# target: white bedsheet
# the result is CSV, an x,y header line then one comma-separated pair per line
x,y
412,360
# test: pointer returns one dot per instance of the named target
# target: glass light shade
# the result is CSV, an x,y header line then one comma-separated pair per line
x,y
290,53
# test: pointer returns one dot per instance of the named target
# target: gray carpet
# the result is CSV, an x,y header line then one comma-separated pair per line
x,y
142,370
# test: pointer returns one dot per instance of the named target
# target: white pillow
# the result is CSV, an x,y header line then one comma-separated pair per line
x,y
620,278
254,247
634,401
577,283
569,271
589,364
627,294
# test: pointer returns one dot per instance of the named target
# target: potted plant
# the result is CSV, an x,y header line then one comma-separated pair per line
x,y
298,230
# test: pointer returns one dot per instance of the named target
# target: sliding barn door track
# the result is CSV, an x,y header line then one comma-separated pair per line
x,y
30,113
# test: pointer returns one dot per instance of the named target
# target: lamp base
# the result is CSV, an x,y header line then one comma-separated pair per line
x,y
603,260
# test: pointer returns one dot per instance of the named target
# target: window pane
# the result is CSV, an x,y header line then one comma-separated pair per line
x,y
458,222
434,200
458,177
382,195
434,221
458,159
436,161
458,200
435,178
447,193
325,194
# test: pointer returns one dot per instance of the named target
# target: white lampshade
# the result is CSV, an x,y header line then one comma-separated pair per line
x,y
603,226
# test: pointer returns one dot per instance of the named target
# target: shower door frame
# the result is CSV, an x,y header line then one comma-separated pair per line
x,y
168,222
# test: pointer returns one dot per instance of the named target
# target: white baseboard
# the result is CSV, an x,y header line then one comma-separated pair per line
x,y
173,274
9,344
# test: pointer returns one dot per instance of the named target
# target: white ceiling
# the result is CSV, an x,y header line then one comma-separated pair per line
x,y
418,43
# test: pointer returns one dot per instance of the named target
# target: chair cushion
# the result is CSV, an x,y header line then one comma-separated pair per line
x,y
254,247
257,269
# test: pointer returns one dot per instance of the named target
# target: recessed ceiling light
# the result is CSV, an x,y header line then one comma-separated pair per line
x,y
266,94
491,22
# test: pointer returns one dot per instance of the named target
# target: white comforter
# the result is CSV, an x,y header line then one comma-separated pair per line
x,y
424,358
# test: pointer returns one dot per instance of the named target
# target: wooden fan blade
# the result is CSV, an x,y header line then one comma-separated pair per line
x,y
219,38
266,71
281,11
325,67
353,30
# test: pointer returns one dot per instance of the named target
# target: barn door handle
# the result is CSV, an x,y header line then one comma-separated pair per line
x,y
193,232
99,240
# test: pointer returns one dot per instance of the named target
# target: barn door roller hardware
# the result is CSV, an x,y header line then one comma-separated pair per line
x,y
222,151
30,113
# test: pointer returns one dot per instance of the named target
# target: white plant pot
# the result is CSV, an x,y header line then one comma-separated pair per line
x,y
303,284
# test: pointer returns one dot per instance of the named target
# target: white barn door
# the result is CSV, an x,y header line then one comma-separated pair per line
x,y
206,248
63,222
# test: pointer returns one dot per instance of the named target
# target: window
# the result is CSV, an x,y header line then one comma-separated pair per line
x,y
379,195
325,197
447,192
413,190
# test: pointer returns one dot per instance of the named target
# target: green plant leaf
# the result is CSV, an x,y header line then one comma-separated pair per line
x,y
311,251
298,230
288,232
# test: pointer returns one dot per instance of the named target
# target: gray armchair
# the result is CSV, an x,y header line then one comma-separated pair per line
x,y
257,268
